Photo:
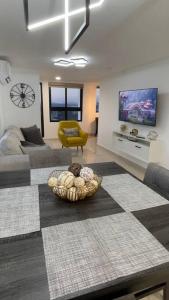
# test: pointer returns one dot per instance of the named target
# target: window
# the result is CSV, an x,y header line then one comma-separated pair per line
x,y
65,103
97,98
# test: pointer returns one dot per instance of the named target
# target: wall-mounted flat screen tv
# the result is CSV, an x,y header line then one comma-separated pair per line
x,y
138,106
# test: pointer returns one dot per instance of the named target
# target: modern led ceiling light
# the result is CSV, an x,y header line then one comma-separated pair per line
x,y
66,17
79,62
62,62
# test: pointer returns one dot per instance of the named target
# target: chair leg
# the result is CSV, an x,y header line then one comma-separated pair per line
x,y
62,146
82,148
77,148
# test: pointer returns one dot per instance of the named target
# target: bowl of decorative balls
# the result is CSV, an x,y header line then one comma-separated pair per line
x,y
77,183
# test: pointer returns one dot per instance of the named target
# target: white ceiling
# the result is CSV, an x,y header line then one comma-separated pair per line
x,y
123,34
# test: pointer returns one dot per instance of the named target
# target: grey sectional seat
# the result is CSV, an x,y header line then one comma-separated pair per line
x,y
10,143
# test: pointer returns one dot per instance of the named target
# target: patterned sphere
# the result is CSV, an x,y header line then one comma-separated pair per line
x,y
72,194
79,182
91,188
66,179
95,183
60,191
98,179
52,182
82,192
86,173
75,169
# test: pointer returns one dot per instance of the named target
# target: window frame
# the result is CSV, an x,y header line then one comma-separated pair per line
x,y
66,109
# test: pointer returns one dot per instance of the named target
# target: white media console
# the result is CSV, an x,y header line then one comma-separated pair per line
x,y
141,149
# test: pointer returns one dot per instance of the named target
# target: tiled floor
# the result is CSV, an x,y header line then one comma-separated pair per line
x,y
156,296
94,154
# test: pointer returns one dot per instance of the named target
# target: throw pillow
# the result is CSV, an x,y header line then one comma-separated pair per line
x,y
33,135
28,144
71,131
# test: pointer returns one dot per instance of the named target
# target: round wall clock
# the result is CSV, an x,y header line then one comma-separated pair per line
x,y
22,95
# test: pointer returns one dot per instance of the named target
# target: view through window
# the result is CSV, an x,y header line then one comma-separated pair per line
x,y
65,103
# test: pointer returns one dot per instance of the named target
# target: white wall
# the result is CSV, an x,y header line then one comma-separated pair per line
x,y
13,115
155,75
89,111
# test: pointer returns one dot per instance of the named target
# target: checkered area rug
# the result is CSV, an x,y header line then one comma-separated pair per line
x,y
84,254
40,176
19,209
51,249
130,193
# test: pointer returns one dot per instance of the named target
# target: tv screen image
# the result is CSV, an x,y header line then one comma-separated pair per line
x,y
138,106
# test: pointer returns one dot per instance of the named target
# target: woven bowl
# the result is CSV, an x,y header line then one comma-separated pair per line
x,y
62,194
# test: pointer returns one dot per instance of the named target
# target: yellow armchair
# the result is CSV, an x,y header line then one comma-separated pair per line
x,y
72,141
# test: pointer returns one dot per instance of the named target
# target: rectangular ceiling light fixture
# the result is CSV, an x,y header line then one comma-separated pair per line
x,y
66,17
69,45
56,18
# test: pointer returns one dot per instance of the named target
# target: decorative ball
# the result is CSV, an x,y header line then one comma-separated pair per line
x,y
79,181
75,169
66,179
91,188
86,173
134,132
123,127
52,182
60,191
72,194
55,189
152,135
95,183
82,192
97,178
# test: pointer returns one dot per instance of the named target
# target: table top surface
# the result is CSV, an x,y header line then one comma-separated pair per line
x,y
51,249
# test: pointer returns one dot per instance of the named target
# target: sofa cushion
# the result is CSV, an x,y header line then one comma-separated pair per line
x,y
76,140
15,130
33,135
27,150
71,132
10,144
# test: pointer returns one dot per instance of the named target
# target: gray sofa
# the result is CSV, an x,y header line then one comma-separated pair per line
x,y
10,143
16,162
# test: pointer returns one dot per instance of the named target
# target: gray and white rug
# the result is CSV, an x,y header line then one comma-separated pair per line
x,y
131,194
40,176
19,209
87,253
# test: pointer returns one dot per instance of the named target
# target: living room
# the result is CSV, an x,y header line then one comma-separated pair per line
x,y
84,168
